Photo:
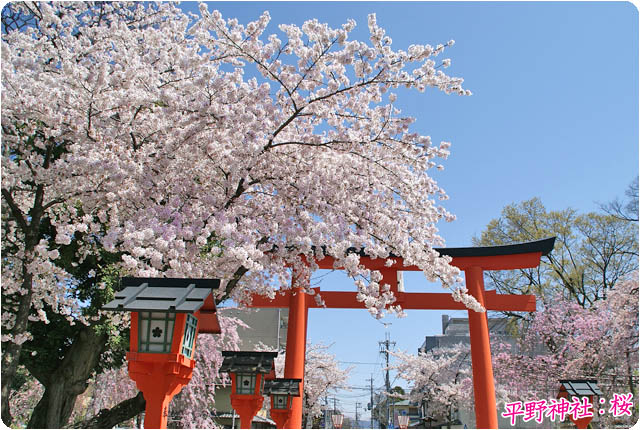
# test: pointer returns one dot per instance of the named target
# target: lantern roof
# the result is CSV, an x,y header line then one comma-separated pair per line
x,y
247,361
286,386
162,294
580,387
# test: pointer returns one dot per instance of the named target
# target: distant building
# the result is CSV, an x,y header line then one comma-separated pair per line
x,y
267,326
456,330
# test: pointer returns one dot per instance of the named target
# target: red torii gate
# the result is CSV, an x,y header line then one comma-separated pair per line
x,y
473,261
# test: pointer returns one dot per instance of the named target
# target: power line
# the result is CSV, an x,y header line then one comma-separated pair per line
x,y
355,387
355,396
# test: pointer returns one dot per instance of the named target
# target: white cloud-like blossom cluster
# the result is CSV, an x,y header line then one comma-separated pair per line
x,y
139,131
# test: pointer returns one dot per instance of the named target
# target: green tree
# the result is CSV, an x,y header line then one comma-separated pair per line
x,y
592,251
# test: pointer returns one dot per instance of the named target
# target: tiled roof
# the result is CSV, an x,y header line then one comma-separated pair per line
x,y
247,361
162,294
283,386
580,387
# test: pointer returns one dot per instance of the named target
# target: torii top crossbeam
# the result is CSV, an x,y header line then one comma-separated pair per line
x,y
503,257
473,261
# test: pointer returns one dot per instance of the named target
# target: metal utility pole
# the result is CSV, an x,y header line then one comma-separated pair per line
x,y
385,346
358,405
327,417
371,404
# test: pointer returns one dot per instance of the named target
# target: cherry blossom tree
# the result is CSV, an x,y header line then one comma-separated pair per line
x,y
24,400
322,375
132,137
110,388
439,378
566,341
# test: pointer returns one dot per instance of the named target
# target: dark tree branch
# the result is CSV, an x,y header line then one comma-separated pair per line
x,y
109,418
15,211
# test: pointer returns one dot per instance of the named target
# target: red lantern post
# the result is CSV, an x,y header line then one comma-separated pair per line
x,y
579,388
160,376
282,392
248,370
165,318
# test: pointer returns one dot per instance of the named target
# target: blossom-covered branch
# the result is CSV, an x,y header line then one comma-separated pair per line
x,y
196,146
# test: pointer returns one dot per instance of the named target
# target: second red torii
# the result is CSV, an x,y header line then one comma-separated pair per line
x,y
473,261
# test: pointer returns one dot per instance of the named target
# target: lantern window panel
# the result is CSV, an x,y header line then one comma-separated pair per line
x,y
279,401
245,383
155,331
188,342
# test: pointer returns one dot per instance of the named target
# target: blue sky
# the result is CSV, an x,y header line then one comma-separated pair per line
x,y
554,115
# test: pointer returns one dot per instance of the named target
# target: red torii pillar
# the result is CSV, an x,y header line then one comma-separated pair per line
x,y
484,391
473,261
296,350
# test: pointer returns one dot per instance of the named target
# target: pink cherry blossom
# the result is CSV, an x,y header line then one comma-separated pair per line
x,y
198,146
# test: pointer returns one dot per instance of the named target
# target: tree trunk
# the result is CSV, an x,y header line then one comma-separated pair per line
x,y
108,418
10,350
68,381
